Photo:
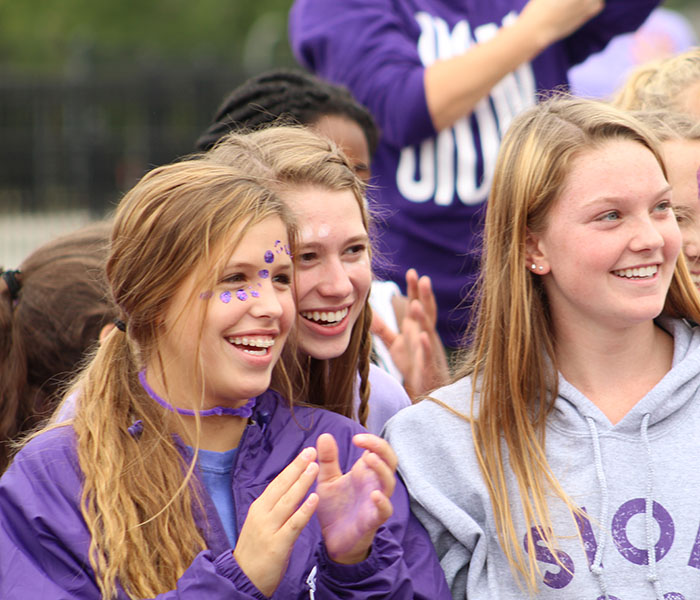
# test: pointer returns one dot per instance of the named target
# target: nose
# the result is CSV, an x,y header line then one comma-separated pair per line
x,y
264,301
335,281
647,235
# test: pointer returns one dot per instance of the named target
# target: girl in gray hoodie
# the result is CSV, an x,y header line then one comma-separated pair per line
x,y
562,461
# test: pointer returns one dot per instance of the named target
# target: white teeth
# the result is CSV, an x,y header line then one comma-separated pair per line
x,y
638,272
327,318
256,342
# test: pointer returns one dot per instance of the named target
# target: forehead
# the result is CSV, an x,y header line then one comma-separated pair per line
x,y
616,168
312,202
347,134
251,243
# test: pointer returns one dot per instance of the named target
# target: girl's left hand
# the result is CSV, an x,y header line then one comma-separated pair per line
x,y
352,506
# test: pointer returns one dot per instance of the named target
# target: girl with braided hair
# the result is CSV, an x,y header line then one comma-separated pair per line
x,y
405,342
333,273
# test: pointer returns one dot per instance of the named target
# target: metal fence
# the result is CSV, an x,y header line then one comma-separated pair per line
x,y
71,147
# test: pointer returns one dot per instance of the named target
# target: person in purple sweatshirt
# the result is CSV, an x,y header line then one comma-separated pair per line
x,y
181,474
443,80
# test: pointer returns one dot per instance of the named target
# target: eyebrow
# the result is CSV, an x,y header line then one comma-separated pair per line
x,y
605,199
242,266
364,237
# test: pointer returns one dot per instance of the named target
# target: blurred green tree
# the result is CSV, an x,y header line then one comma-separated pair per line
x,y
64,35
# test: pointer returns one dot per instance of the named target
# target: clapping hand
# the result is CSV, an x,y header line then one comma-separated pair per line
x,y
352,506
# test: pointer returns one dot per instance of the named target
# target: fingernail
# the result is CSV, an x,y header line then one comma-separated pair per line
x,y
307,453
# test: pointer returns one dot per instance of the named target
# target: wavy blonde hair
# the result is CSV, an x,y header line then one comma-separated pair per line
x,y
288,157
139,500
661,83
511,357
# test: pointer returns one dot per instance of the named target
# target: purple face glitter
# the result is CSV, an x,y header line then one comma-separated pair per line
x,y
206,295
225,297
269,257
241,295
255,294
264,274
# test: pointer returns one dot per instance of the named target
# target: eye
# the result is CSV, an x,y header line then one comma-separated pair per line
x,y
356,249
612,215
307,256
234,278
683,215
663,206
282,279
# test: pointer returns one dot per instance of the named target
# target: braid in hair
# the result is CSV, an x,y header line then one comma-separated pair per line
x,y
363,366
289,96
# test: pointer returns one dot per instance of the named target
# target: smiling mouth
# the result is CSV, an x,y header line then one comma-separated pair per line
x,y
638,272
252,345
326,318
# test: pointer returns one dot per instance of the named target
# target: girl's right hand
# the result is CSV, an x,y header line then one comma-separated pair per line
x,y
274,522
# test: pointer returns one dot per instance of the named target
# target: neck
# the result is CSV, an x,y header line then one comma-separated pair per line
x,y
614,368
220,428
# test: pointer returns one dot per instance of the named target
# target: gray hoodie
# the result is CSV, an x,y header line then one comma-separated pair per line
x,y
650,459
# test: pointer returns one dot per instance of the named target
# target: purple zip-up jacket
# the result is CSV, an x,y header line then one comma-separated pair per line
x,y
44,540
432,186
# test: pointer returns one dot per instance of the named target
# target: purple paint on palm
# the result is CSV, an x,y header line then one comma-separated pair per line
x,y
264,274
347,513
241,295
269,257
225,297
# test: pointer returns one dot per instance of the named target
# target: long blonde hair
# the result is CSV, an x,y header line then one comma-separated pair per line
x,y
511,358
139,500
287,157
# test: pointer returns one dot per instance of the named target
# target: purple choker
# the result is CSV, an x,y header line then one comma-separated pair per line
x,y
242,411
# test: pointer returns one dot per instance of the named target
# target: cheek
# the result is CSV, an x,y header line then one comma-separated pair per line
x,y
361,276
289,311
304,282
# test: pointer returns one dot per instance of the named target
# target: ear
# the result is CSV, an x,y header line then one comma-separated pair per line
x,y
535,254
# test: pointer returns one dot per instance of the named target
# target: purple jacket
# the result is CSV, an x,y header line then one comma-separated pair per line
x,y
432,186
44,539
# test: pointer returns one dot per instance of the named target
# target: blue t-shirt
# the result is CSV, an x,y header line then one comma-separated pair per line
x,y
217,475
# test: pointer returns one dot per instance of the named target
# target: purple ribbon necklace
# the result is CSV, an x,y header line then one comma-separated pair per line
x,y
244,411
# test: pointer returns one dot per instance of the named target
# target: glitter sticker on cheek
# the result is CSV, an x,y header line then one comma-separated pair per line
x,y
254,293
206,295
264,274
225,297
269,257
241,295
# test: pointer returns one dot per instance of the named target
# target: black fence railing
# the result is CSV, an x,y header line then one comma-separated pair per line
x,y
79,144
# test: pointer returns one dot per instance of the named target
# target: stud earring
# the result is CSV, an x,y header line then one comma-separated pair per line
x,y
534,266
541,268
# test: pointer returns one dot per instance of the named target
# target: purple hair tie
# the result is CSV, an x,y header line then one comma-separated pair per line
x,y
135,429
244,411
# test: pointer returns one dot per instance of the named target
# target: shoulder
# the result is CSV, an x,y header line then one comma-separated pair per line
x,y
52,450
44,475
450,403
387,389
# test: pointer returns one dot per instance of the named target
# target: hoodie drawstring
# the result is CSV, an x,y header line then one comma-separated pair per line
x,y
597,566
652,574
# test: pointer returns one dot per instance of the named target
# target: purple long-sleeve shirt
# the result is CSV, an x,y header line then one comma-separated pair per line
x,y
44,540
432,186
